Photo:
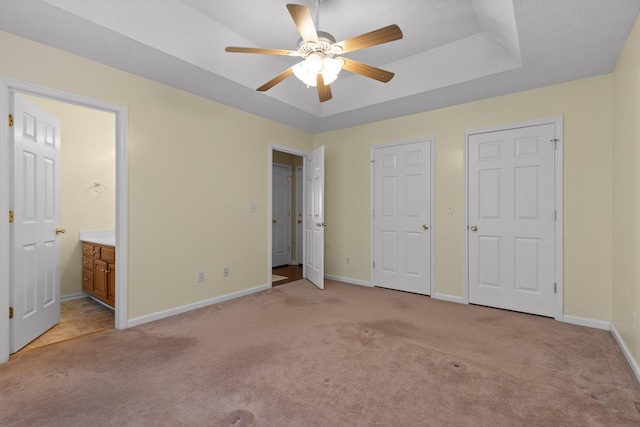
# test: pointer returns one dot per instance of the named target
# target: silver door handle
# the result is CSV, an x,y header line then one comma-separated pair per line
x,y
474,228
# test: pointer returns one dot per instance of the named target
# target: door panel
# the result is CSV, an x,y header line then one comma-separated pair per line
x,y
402,207
35,266
281,221
512,219
314,218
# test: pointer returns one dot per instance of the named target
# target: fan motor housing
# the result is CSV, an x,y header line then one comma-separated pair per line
x,y
326,45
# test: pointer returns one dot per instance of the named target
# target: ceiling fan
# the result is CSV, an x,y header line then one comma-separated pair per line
x,y
321,54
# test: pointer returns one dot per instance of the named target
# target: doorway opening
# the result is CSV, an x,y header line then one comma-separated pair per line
x,y
513,216
286,217
8,87
87,202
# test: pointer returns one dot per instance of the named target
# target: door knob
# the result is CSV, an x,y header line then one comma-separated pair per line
x,y
60,230
274,221
474,228
425,226
320,224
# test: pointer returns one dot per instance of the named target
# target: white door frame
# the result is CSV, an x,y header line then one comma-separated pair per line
x,y
295,152
432,222
559,243
121,113
299,214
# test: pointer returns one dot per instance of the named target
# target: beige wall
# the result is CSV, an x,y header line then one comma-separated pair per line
x,y
189,210
87,157
189,213
626,192
586,106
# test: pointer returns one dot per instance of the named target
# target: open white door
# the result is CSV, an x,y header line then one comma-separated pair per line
x,y
314,217
35,244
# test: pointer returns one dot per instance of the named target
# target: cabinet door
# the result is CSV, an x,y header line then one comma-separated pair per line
x,y
100,281
87,280
111,285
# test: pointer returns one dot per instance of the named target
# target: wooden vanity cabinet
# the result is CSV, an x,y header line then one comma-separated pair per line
x,y
99,272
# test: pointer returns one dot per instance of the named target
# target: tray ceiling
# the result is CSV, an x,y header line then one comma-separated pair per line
x,y
453,51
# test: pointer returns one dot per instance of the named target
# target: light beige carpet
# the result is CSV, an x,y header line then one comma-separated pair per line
x,y
346,356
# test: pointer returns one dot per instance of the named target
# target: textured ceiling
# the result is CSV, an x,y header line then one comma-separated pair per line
x,y
453,51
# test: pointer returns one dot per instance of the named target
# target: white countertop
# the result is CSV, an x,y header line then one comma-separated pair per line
x,y
101,237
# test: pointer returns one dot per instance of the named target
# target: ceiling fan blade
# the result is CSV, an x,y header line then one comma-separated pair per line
x,y
367,70
277,79
376,37
304,22
263,51
324,91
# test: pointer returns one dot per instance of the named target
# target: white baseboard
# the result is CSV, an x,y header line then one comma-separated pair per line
x,y
450,298
627,354
581,321
348,280
204,303
73,296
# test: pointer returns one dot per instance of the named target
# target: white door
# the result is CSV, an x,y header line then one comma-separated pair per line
x,y
402,217
314,215
281,219
35,246
299,213
512,219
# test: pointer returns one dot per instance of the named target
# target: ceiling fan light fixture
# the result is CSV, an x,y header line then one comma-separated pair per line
x,y
308,69
331,68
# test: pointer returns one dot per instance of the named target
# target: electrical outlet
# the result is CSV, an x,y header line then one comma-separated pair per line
x,y
225,272
348,260
201,277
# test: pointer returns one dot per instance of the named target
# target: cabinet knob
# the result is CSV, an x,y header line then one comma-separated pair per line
x,y
86,279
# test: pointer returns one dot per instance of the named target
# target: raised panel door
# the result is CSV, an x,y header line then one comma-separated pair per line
x,y
111,284
100,279
512,219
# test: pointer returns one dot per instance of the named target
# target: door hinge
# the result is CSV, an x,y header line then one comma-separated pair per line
x,y
374,213
374,264
10,120
10,312
289,178
555,288
10,216
289,248
555,143
555,216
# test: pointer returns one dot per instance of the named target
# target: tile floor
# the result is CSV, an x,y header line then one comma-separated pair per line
x,y
78,317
